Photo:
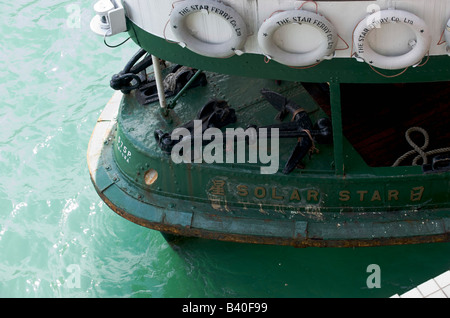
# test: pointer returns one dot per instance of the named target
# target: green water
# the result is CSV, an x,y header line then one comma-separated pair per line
x,y
54,83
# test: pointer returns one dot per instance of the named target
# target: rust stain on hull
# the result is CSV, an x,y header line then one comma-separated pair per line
x,y
252,239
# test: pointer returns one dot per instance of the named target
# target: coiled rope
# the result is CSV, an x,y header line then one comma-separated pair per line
x,y
419,150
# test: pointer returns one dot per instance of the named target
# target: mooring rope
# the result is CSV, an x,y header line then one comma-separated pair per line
x,y
420,150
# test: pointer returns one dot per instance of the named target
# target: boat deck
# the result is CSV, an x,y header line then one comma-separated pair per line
x,y
438,287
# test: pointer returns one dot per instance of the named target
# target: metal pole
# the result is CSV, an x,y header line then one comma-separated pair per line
x,y
336,118
159,82
181,92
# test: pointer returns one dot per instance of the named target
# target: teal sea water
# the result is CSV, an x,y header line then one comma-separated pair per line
x,y
57,238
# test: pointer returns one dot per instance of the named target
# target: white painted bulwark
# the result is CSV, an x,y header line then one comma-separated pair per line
x,y
392,39
447,36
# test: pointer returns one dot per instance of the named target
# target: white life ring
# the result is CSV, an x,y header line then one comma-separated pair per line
x,y
447,36
324,51
419,46
183,9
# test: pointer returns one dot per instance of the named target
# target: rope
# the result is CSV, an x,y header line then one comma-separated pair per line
x,y
440,42
315,3
388,76
313,146
420,150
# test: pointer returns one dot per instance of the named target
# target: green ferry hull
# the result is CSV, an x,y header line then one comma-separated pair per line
x,y
318,206
335,199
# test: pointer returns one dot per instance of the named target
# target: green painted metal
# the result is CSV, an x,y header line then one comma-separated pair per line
x,y
316,206
336,200
335,101
185,87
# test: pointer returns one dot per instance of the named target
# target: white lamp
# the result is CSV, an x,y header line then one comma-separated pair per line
x,y
110,18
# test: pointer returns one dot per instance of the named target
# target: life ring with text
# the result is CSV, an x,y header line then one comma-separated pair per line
x,y
183,9
447,36
419,46
325,50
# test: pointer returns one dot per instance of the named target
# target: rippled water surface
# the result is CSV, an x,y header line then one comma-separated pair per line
x,y
54,82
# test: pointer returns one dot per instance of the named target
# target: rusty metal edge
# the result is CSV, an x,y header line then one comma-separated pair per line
x,y
266,240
